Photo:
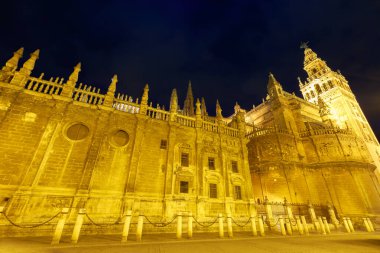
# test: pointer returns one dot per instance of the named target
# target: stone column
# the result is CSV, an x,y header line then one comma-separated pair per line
x,y
126,226
221,228
78,225
268,210
327,226
299,225
140,223
350,225
261,226
345,223
367,227
229,226
253,225
334,220
179,226
323,230
59,228
190,225
282,226
305,225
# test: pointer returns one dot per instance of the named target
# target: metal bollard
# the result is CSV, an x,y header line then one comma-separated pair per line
x,y
140,223
345,223
179,226
221,229
59,228
282,226
127,224
327,227
370,225
261,226
253,226
305,226
299,225
288,226
78,225
190,225
323,230
229,226
350,225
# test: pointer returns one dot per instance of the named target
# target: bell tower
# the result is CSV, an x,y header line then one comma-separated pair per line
x,y
332,87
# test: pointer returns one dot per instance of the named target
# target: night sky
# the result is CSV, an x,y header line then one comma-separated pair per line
x,y
226,48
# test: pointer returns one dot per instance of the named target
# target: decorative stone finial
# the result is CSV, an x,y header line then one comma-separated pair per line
x,y
112,87
174,101
28,66
203,107
218,110
198,107
12,64
188,107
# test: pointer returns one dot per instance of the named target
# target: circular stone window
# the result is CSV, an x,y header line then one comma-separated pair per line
x,y
77,132
120,138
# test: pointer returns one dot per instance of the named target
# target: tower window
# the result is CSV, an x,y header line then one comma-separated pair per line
x,y
164,144
213,191
237,192
185,159
234,166
211,163
184,187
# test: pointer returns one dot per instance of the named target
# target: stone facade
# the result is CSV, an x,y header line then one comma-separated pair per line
x,y
65,144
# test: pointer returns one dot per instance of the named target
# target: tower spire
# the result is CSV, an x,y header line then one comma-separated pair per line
x,y
188,107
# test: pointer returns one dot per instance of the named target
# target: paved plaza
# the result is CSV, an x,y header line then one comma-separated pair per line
x,y
160,243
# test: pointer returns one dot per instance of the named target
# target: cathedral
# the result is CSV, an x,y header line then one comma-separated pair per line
x,y
64,144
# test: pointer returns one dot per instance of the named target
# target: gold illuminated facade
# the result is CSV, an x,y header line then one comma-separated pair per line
x,y
65,144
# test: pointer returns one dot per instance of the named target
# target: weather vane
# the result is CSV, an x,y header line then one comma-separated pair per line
x,y
304,45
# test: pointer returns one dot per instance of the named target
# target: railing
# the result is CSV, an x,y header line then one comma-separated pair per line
x,y
211,127
230,131
185,120
159,114
323,131
265,131
43,86
88,95
125,104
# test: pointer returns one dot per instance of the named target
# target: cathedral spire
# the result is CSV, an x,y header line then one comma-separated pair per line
x,y
274,87
188,107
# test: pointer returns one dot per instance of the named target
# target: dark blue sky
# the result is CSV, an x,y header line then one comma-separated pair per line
x,y
226,48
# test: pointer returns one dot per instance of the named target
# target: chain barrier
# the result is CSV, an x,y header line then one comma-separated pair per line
x,y
206,226
160,224
245,224
30,226
275,224
103,225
